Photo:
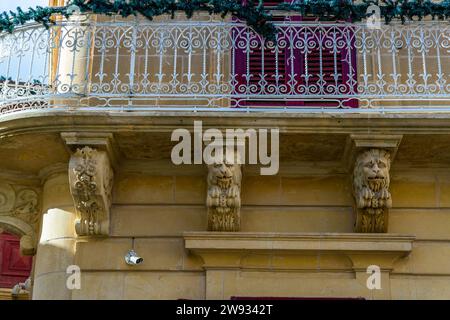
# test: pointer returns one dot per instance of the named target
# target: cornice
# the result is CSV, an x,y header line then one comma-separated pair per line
x,y
227,249
156,121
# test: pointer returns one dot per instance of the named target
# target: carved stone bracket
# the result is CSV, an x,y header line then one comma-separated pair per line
x,y
20,214
360,142
91,180
223,200
94,156
371,181
230,250
372,157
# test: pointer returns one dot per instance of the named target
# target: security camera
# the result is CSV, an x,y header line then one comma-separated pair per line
x,y
132,258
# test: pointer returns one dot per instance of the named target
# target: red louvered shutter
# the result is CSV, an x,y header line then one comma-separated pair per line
x,y
333,66
14,268
273,62
264,66
270,66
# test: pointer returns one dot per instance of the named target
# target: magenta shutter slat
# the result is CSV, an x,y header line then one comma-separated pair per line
x,y
273,3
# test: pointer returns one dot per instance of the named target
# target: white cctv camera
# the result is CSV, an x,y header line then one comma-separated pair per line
x,y
132,258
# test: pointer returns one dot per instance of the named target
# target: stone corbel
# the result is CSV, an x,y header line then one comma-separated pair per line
x,y
91,180
223,200
370,158
20,209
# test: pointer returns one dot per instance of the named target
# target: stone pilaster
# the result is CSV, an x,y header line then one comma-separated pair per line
x,y
56,247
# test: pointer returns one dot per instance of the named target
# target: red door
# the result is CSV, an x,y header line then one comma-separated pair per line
x,y
14,267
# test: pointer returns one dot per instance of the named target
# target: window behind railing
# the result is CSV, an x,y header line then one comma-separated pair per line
x,y
302,61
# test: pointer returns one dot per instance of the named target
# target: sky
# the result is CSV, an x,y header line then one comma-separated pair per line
x,y
29,68
6,5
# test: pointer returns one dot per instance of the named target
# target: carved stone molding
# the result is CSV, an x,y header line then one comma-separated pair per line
x,y
20,214
371,181
91,180
223,200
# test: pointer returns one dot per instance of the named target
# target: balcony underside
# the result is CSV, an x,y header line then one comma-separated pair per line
x,y
309,143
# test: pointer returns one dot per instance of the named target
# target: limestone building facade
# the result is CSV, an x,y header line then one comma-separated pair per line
x,y
86,172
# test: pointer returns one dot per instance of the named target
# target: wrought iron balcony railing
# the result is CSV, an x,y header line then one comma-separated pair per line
x,y
194,64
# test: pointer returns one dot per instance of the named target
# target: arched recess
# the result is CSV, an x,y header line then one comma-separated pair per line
x,y
28,236
20,214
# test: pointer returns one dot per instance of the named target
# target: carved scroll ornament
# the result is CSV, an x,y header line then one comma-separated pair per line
x,y
91,179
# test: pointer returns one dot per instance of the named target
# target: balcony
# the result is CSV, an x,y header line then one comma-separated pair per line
x,y
207,64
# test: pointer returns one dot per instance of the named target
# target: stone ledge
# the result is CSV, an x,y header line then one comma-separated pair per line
x,y
220,249
318,242
60,120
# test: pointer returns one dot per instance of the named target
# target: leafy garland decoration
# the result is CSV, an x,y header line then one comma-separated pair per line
x,y
255,14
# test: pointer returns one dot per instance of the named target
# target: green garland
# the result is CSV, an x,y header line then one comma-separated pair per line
x,y
255,15
389,9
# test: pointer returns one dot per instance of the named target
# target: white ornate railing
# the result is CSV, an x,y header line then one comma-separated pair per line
x,y
176,64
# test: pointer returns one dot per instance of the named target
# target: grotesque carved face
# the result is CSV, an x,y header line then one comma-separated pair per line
x,y
372,170
224,172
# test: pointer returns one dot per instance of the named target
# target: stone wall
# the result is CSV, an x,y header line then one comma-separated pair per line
x,y
156,210
297,235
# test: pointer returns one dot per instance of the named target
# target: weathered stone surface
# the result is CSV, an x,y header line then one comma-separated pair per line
x,y
371,181
223,200
91,181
